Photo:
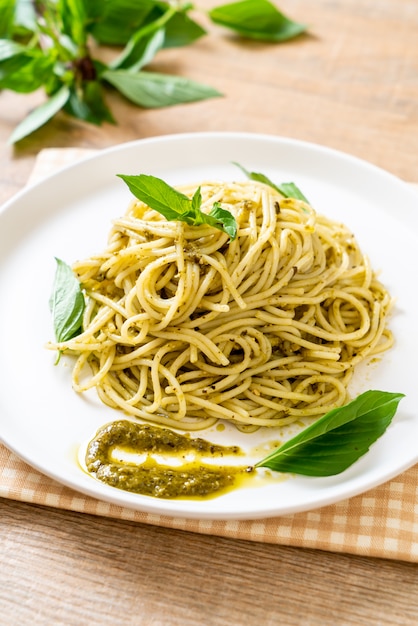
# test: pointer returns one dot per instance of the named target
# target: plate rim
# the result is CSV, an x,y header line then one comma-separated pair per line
x,y
115,496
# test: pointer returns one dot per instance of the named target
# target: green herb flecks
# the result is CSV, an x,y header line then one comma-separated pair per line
x,y
288,190
338,439
174,205
66,303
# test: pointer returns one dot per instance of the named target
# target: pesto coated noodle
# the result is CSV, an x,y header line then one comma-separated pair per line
x,y
184,327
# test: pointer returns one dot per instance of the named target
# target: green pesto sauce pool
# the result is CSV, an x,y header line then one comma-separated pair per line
x,y
191,479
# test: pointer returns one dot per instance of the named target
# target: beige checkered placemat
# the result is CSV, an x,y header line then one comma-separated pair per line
x,y
382,522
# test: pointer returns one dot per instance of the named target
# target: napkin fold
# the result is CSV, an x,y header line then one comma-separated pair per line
x,y
382,522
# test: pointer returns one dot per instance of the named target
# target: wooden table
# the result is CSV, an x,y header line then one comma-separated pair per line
x,y
351,84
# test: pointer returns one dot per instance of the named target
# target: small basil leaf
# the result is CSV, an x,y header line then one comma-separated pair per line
x,y
140,50
288,190
182,31
228,221
66,303
25,21
144,43
7,12
88,104
256,19
158,195
152,90
113,22
338,439
25,73
74,18
12,65
39,116
257,176
197,202
10,48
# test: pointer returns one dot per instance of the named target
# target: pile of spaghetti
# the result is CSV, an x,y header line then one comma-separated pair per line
x,y
184,327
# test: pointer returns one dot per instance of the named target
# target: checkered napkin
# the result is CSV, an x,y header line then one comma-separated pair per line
x,y
382,522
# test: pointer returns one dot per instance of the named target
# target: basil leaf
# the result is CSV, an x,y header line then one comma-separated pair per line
x,y
256,19
158,195
39,116
9,48
182,31
66,303
88,104
113,22
7,12
338,439
226,218
174,205
74,18
288,190
145,42
196,204
25,21
140,50
116,21
25,73
152,90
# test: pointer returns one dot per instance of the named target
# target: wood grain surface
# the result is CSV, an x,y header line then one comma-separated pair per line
x,y
69,568
350,84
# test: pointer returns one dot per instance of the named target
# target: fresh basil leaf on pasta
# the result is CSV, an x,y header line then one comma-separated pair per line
x,y
66,303
226,218
288,190
158,195
174,205
338,439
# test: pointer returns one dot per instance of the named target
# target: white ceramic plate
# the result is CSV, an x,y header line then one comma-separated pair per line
x,y
68,216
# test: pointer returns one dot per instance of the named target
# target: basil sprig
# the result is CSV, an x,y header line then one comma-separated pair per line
x,y
174,205
47,45
66,303
338,439
288,190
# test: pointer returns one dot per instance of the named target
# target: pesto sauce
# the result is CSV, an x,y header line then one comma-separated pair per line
x,y
190,480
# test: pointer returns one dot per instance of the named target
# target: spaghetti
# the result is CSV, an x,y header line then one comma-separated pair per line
x,y
183,327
